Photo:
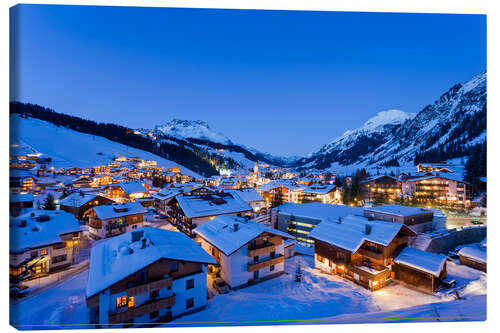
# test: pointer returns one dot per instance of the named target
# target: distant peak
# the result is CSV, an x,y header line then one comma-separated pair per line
x,y
388,117
197,129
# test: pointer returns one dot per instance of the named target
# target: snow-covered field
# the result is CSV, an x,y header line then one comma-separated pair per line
x,y
319,298
69,148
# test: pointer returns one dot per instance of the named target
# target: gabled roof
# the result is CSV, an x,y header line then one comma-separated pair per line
x,y
131,187
212,204
319,189
111,260
369,179
428,262
21,197
318,210
473,253
40,233
247,194
106,212
443,176
166,193
399,210
281,183
77,199
220,232
350,233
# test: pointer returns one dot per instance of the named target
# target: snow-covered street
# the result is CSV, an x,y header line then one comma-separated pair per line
x,y
319,297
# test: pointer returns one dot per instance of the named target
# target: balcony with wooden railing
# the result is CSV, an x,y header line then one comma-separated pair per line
x,y
150,306
371,254
148,287
266,248
265,263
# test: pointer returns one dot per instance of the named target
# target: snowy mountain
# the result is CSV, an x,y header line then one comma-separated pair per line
x,y
197,129
234,156
68,148
440,131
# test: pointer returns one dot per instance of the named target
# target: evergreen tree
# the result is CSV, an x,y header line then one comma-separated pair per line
x,y
49,203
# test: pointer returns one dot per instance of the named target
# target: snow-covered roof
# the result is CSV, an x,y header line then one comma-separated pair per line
x,y
132,187
398,210
278,183
220,232
20,173
247,194
350,233
473,253
77,199
21,197
448,176
106,212
40,233
369,179
428,262
166,193
319,189
212,204
318,210
111,260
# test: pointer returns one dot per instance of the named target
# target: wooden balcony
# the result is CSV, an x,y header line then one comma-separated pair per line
x,y
146,288
371,254
262,250
155,305
265,263
373,275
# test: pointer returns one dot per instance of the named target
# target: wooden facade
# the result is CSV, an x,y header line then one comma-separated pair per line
x,y
418,278
79,212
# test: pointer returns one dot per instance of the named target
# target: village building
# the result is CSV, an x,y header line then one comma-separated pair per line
x,y
42,242
380,188
298,219
282,191
111,220
126,191
20,181
448,190
83,182
251,197
420,269
417,218
144,276
19,202
473,257
436,167
358,249
246,251
190,212
78,203
321,193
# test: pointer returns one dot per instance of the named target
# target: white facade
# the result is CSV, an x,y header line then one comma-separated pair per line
x,y
107,301
233,268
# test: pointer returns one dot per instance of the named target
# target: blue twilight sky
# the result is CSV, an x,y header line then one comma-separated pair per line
x,y
285,82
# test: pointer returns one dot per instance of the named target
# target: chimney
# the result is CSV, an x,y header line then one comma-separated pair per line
x,y
236,227
368,229
143,244
340,220
23,223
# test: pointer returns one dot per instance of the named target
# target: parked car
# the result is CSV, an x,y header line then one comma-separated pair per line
x,y
474,222
221,286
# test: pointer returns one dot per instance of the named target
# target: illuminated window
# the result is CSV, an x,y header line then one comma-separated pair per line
x,y
121,302
43,252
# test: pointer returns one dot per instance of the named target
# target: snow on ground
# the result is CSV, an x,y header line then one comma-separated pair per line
x,y
323,298
319,299
69,148
63,306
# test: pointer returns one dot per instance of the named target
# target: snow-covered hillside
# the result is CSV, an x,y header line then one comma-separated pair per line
x,y
68,148
197,129
395,138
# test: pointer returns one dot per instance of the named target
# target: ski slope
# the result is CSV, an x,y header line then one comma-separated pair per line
x,y
69,148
